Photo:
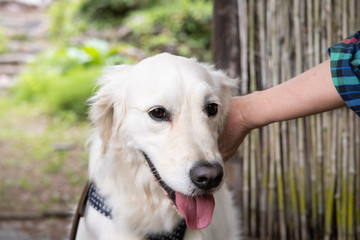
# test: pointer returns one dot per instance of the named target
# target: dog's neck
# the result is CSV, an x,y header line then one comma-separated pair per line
x,y
99,203
126,181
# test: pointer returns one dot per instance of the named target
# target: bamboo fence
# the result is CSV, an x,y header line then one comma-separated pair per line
x,y
299,179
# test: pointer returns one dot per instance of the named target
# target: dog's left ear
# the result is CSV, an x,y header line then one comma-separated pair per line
x,y
103,113
229,86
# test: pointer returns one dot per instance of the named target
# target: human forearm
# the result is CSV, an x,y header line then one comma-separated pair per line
x,y
309,93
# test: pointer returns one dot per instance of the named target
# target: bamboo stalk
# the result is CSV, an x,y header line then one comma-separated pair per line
x,y
298,70
345,31
318,144
344,177
243,37
320,174
279,182
328,130
254,134
271,187
302,178
357,178
352,10
337,25
262,42
272,164
251,32
313,176
351,179
331,177
295,173
291,212
323,33
297,32
345,155
285,170
312,49
276,126
339,187
310,44
326,139
357,20
264,184
259,179
329,28
317,31
294,179
253,183
246,195
261,6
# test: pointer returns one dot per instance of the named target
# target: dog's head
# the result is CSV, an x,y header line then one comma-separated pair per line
x,y
171,111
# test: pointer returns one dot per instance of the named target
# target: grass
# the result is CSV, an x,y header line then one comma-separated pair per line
x,y
33,175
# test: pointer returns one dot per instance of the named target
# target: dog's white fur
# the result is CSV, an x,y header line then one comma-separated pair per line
x,y
124,130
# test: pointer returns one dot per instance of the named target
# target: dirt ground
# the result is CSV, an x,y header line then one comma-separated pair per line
x,y
44,229
41,174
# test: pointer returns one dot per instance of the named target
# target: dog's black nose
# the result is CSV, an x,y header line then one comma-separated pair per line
x,y
206,176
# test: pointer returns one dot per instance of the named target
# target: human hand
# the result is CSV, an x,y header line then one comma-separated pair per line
x,y
236,129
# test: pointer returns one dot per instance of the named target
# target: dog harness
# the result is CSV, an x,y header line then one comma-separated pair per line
x,y
98,202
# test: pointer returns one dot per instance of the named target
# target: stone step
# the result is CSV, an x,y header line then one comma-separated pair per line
x,y
22,23
15,58
29,47
6,82
10,69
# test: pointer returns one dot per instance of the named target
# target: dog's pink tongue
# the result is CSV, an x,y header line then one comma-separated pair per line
x,y
197,211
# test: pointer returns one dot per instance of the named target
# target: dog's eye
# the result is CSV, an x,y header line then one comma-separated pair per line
x,y
212,109
159,114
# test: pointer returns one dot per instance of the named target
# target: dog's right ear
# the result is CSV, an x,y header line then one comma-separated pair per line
x,y
103,114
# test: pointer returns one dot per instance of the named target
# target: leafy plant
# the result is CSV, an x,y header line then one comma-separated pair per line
x,y
182,27
109,13
64,20
62,80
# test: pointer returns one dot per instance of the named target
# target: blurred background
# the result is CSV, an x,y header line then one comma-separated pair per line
x,y
292,180
51,52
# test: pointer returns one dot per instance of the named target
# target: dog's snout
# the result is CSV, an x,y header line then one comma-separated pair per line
x,y
206,176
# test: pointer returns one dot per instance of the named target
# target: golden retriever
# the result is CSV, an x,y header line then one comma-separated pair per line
x,y
154,157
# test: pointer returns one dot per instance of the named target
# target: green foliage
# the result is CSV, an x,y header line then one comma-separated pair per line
x,y
62,80
109,12
182,27
64,20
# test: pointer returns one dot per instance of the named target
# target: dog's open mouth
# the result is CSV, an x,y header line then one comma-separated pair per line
x,y
197,210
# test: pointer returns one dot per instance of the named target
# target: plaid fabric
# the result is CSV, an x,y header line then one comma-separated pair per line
x,y
345,70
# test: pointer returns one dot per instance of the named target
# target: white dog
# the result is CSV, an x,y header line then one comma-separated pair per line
x,y
154,158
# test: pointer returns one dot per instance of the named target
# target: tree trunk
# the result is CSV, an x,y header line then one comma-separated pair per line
x,y
225,37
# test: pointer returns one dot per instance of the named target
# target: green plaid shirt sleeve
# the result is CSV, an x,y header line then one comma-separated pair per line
x,y
345,70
